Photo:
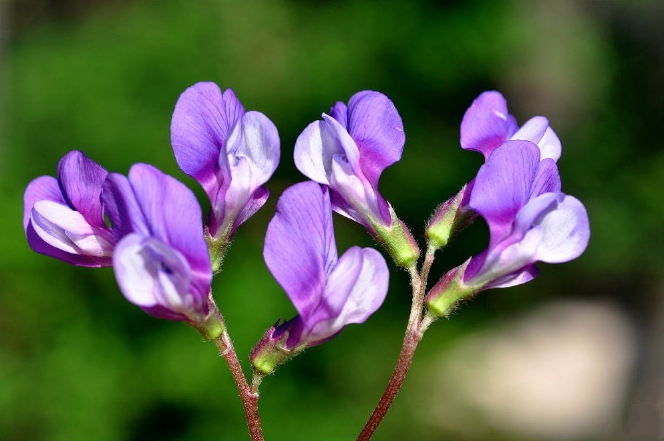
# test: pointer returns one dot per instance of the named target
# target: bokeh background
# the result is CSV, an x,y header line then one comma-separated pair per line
x,y
576,354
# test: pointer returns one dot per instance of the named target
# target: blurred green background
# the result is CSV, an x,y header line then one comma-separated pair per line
x,y
575,354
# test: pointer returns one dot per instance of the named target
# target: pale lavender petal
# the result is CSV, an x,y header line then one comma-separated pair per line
x,y
487,124
566,232
551,228
503,185
532,130
338,287
531,214
314,149
66,229
376,127
40,246
53,226
355,289
81,181
252,156
229,202
255,138
537,130
202,119
257,200
44,188
150,274
299,244
523,275
550,145
339,143
359,198
507,258
369,289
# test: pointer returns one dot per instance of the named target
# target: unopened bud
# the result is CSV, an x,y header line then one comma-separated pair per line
x,y
450,218
449,292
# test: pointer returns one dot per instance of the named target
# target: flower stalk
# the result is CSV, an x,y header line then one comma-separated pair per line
x,y
411,339
248,395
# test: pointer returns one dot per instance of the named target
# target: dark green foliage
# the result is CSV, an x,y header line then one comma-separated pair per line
x,y
79,362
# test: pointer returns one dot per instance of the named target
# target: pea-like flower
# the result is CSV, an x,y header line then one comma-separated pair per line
x,y
328,292
64,218
230,152
529,219
347,151
487,124
161,260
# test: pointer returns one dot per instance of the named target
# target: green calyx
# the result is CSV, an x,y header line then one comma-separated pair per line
x,y
267,361
269,353
397,240
449,292
211,327
217,248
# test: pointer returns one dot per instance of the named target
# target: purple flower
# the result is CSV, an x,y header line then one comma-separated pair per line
x,y
161,261
230,152
349,149
64,218
529,218
487,125
327,292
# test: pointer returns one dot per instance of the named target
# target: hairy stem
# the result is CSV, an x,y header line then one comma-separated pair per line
x,y
248,396
410,342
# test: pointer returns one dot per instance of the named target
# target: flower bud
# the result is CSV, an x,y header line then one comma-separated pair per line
x,y
449,291
271,351
450,218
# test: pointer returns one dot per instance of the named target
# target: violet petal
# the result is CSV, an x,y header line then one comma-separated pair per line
x,y
174,216
503,185
43,188
81,180
376,127
299,244
202,119
487,124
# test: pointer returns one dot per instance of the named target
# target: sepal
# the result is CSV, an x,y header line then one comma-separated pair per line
x,y
397,239
212,326
271,351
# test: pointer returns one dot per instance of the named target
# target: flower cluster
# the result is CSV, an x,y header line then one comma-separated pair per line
x,y
518,193
150,228
162,253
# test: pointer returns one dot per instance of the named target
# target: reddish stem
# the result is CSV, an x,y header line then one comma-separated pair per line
x,y
410,342
405,357
249,398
